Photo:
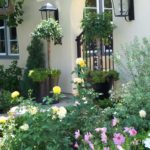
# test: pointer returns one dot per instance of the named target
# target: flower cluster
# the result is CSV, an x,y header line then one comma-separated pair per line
x,y
78,80
15,94
24,127
3,120
58,112
80,62
56,90
147,142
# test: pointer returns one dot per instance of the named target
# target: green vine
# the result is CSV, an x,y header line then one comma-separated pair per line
x,y
15,17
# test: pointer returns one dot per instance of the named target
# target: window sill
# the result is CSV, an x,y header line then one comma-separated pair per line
x,y
9,56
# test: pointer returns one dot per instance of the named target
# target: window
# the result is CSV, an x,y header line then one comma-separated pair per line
x,y
8,40
98,5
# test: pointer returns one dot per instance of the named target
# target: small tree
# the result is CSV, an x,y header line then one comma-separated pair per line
x,y
51,31
35,60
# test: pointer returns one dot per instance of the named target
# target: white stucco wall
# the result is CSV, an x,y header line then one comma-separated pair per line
x,y
126,31
62,56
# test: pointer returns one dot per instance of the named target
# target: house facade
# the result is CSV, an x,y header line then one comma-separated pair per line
x,y
14,41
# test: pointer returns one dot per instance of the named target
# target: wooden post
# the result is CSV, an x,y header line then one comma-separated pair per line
x,y
48,53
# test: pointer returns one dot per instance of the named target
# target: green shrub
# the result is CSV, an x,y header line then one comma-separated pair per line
x,y
98,76
36,55
10,77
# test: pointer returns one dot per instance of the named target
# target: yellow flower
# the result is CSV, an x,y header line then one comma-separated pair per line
x,y
56,90
15,94
3,120
80,62
30,73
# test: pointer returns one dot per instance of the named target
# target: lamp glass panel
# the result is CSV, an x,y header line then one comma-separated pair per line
x,y
120,7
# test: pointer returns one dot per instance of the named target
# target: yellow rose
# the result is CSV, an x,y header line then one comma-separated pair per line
x,y
56,90
30,73
80,62
15,94
3,120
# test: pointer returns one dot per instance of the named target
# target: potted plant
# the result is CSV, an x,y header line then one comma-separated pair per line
x,y
99,25
47,78
102,81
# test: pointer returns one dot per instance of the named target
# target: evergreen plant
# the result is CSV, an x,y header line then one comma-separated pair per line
x,y
35,60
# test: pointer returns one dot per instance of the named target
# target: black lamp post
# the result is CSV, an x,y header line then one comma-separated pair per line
x,y
124,8
49,10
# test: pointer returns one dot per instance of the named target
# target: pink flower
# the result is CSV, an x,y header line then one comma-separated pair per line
x,y
132,132
114,121
98,129
77,134
76,145
104,130
106,148
87,137
104,137
126,129
118,139
91,145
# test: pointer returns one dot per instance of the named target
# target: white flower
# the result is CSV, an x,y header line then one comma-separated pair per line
x,y
33,110
78,80
76,103
54,109
24,127
148,134
147,142
84,98
142,113
17,111
61,112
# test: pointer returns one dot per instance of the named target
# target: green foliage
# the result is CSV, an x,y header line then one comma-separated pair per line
x,y
98,76
36,55
16,18
10,77
99,25
5,101
135,94
41,74
48,29
2,3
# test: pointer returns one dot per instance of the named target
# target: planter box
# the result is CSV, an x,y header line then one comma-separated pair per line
x,y
103,88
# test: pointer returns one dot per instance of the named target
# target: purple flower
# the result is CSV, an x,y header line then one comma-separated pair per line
x,y
77,134
87,137
104,137
114,121
106,148
118,139
91,145
126,129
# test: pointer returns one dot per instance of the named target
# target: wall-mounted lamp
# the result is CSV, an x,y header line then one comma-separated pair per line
x,y
124,8
49,10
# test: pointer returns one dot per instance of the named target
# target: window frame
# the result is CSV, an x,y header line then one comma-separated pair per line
x,y
7,40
